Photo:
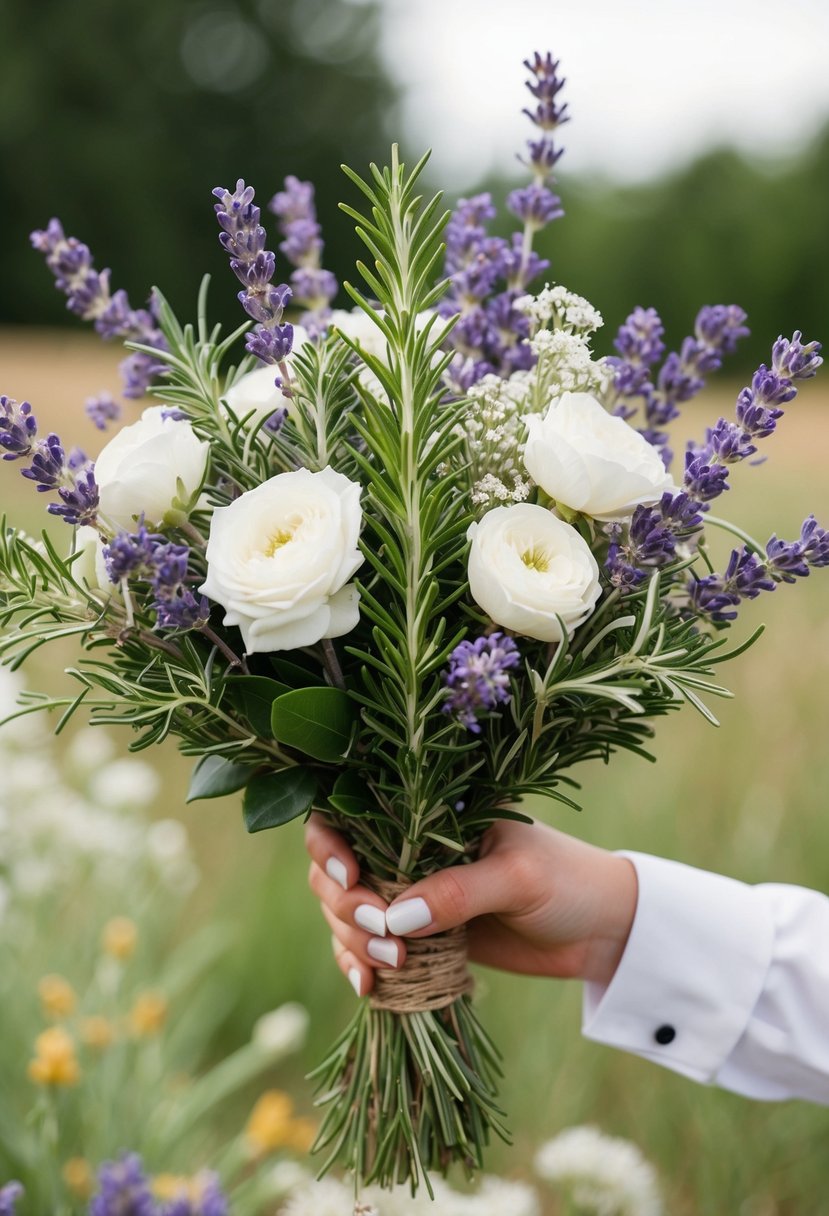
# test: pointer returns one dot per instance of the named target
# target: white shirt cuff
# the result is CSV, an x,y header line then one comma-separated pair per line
x,y
692,971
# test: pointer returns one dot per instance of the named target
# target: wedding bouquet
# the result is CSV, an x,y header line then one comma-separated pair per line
x,y
405,564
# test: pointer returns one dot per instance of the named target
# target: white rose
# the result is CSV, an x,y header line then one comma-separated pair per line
x,y
527,568
149,467
255,396
590,461
279,559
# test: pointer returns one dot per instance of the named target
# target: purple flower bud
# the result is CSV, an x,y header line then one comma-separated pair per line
x,y
9,1195
535,204
101,410
477,678
123,1189
794,359
18,428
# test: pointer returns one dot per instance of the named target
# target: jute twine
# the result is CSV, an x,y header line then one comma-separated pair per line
x,y
434,974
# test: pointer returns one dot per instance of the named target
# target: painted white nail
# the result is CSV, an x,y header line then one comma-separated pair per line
x,y
383,950
405,918
355,980
370,918
335,869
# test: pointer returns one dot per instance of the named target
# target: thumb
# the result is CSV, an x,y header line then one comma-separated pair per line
x,y
454,896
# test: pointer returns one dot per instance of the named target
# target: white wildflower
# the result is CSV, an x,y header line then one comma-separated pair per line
x,y
284,1177
325,1198
125,783
90,748
283,1030
605,1175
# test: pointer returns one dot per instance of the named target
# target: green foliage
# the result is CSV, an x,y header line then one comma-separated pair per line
x,y
272,799
214,777
317,721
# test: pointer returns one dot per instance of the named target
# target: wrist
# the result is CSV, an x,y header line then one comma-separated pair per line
x,y
618,891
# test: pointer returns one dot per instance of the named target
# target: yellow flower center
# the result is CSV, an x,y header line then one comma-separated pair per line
x,y
535,559
281,537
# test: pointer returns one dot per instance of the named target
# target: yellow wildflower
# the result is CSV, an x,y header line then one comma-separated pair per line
x,y
97,1032
119,938
54,1062
148,1014
175,1186
57,997
303,1133
270,1123
78,1177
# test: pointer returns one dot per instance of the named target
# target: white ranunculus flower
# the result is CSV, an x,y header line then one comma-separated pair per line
x,y
527,568
148,467
592,462
279,559
89,566
255,396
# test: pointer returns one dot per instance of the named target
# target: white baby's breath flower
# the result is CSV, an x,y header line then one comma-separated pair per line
x,y
280,556
89,749
150,468
327,1197
606,1175
531,572
591,461
125,783
282,1031
284,1177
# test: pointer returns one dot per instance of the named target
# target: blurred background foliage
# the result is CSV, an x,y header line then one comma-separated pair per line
x,y
121,118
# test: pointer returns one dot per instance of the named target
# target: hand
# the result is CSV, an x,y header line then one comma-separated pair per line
x,y
536,902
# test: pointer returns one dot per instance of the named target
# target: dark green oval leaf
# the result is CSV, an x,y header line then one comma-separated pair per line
x,y
275,798
295,674
253,697
316,721
349,794
215,776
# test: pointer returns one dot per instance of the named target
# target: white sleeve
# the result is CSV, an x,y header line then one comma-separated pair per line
x,y
723,982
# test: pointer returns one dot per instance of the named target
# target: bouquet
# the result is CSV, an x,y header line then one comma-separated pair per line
x,y
405,564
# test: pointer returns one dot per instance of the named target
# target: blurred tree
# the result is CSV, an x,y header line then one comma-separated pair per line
x,y
121,118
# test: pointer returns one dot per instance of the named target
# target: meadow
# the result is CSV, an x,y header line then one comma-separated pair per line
x,y
746,799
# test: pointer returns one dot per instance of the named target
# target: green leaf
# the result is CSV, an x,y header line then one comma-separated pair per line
x,y
254,696
295,675
215,776
275,798
316,721
349,794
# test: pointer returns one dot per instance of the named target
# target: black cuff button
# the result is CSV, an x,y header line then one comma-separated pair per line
x,y
664,1035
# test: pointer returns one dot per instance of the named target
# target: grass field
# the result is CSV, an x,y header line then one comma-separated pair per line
x,y
748,799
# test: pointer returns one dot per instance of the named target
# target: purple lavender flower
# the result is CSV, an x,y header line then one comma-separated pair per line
x,y
650,540
243,238
133,554
490,336
211,1202
148,557
719,595
9,1195
102,410
788,560
757,412
18,428
124,1189
88,296
477,678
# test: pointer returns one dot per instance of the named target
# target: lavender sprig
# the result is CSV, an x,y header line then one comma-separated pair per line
x,y
491,335
243,239
9,1195
102,410
651,539
477,678
88,295
71,477
313,286
717,330
124,1189
148,557
757,412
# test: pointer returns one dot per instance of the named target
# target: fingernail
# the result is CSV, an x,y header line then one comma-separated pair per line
x,y
371,918
335,869
383,950
354,980
408,916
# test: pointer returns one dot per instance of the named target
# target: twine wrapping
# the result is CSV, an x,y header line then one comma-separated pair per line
x,y
434,974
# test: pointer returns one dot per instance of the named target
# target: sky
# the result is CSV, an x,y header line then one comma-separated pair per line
x,y
650,83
